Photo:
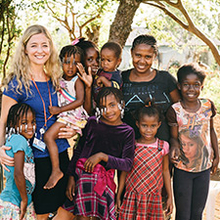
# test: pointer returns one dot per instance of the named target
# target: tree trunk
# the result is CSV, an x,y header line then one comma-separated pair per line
x,y
121,26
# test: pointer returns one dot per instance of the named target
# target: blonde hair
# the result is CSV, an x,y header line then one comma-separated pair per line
x,y
21,65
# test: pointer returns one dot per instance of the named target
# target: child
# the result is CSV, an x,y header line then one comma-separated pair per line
x,y
108,75
107,144
15,199
142,199
191,180
71,112
91,62
91,54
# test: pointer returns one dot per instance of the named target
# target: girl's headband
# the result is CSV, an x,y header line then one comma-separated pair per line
x,y
76,41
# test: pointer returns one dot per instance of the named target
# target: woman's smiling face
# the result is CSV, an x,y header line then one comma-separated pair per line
x,y
38,49
143,56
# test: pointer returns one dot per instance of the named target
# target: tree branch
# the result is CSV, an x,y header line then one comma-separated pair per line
x,y
190,27
169,13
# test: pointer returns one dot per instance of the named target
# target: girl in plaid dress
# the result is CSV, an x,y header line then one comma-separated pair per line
x,y
107,144
142,199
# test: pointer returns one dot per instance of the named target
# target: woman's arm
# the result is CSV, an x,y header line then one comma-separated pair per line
x,y
7,102
79,87
175,95
214,142
20,181
167,183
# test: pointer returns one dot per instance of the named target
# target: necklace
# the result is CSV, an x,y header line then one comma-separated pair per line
x,y
43,129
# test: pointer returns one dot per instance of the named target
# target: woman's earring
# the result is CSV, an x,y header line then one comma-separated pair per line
x,y
97,114
25,128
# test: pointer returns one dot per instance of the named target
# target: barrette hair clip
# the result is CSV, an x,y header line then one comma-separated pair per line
x,y
76,41
149,104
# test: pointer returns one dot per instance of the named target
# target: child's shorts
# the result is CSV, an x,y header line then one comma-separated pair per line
x,y
77,125
9,211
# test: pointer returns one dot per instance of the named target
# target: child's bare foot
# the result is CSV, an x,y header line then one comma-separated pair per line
x,y
54,178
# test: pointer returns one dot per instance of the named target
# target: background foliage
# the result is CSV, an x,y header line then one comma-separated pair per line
x,y
94,19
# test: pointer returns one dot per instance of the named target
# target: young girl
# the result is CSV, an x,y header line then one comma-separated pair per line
x,y
142,199
107,144
191,180
15,199
108,75
71,112
91,62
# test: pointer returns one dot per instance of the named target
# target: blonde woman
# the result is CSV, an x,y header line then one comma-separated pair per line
x,y
34,79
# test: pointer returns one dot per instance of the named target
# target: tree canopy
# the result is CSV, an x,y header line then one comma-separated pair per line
x,y
86,18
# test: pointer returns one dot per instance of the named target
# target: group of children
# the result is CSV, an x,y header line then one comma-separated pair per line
x,y
108,144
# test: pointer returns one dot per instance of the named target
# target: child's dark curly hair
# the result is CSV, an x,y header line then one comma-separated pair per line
x,y
109,91
71,50
188,69
16,112
149,109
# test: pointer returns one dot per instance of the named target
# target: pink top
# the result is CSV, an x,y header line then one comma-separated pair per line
x,y
165,149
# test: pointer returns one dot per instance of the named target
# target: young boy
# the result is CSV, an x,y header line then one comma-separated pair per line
x,y
108,75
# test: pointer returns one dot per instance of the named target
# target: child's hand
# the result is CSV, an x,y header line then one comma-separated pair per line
x,y
99,81
86,78
174,155
70,189
169,208
92,161
118,205
23,208
214,165
54,110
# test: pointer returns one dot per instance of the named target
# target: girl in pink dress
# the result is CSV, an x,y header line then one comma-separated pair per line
x,y
142,199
